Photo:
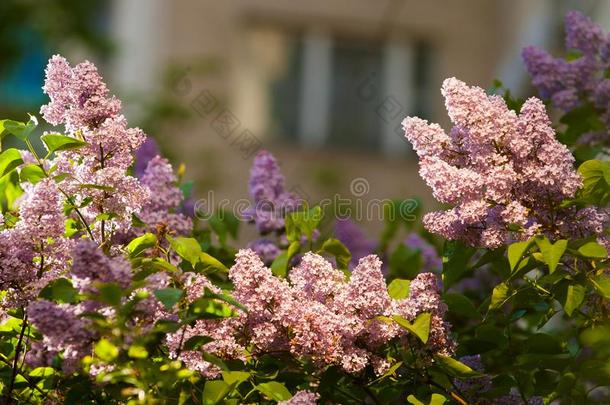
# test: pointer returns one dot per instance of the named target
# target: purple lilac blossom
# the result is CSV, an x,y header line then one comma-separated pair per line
x,y
270,200
164,206
573,83
266,249
145,153
353,237
431,261
474,389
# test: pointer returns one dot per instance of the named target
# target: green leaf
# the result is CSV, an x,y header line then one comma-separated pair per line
x,y
31,173
225,297
437,399
235,377
110,293
42,372
593,250
211,262
207,308
454,367
456,256
516,251
168,296
412,399
420,327
141,243
302,223
399,289
339,251
274,390
20,129
596,189
166,326
461,305
106,350
60,290
279,267
602,285
215,360
187,248
551,252
57,142
571,297
499,296
137,352
9,159
404,262
215,391
195,342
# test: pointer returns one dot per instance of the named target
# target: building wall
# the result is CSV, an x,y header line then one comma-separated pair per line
x,y
228,51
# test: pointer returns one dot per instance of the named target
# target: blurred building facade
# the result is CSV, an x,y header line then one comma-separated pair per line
x,y
323,84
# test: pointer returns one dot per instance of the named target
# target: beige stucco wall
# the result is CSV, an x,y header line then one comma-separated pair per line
x,y
210,38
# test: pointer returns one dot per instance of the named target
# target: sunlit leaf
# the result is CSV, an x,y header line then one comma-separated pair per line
x,y
57,142
274,390
420,327
399,289
106,350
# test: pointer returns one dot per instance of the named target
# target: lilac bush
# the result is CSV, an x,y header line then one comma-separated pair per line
x,y
111,291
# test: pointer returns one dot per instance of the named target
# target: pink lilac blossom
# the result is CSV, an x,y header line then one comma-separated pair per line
x,y
303,397
166,198
79,97
424,296
270,200
95,171
317,314
571,84
223,333
499,170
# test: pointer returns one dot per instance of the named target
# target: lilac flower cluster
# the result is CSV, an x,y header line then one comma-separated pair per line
x,y
571,83
270,200
316,314
90,264
145,153
92,179
95,172
270,204
34,251
302,398
499,169
63,332
163,207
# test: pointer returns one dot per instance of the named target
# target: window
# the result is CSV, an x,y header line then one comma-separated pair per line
x,y
349,93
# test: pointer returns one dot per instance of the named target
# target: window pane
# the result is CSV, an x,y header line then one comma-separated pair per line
x,y
354,121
